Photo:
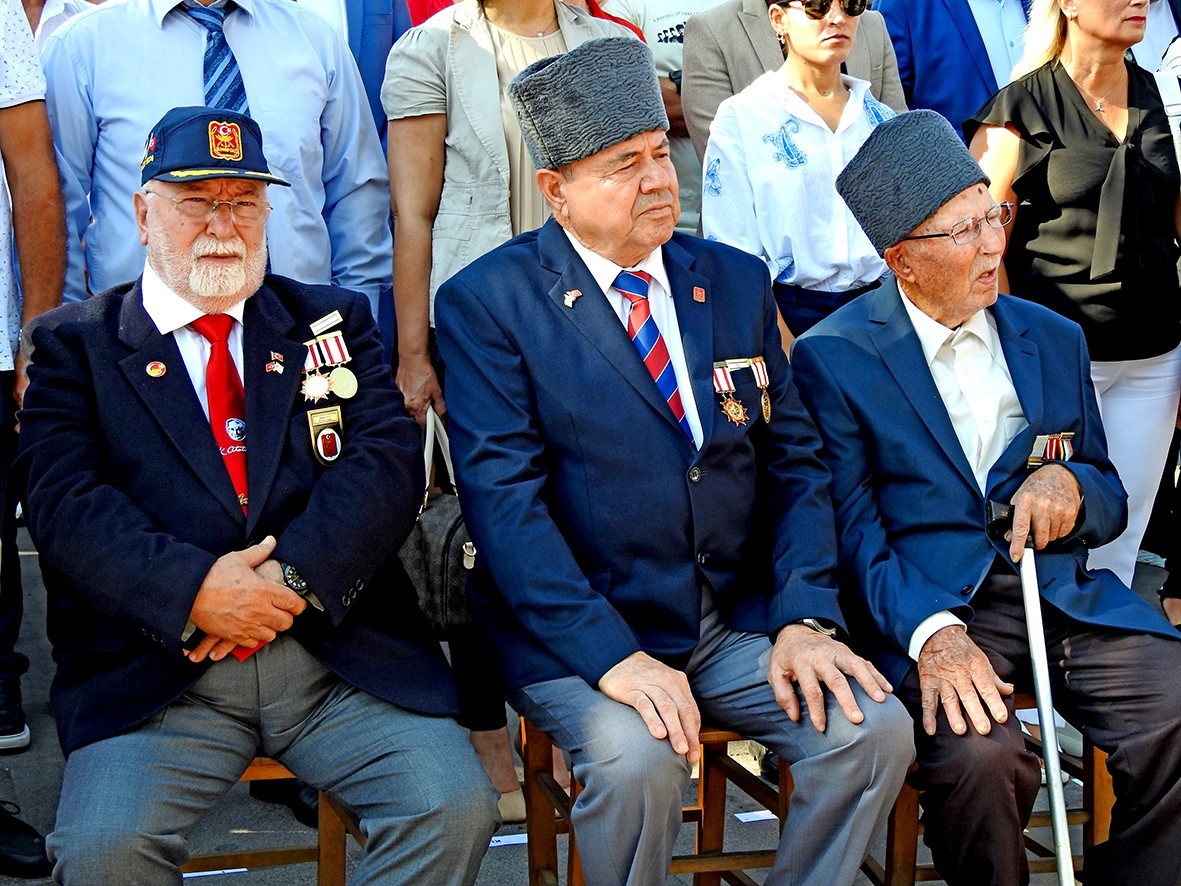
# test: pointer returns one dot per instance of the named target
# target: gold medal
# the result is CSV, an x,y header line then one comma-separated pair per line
x,y
734,410
315,387
343,382
765,400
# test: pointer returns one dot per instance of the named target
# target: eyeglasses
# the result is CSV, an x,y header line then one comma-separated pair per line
x,y
818,9
202,209
964,232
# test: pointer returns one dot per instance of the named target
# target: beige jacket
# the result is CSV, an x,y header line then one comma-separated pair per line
x,y
447,65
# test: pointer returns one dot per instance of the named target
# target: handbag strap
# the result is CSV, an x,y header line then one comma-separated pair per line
x,y
436,433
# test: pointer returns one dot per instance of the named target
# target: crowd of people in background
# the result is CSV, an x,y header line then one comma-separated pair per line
x,y
448,161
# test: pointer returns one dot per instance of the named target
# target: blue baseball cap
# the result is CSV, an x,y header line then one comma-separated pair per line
x,y
193,144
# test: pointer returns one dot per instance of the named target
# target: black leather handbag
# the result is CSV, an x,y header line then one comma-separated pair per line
x,y
439,554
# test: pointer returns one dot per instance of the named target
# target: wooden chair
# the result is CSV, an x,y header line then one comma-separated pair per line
x,y
328,852
548,813
900,867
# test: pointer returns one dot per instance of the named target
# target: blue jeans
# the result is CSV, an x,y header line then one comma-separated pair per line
x,y
129,801
628,815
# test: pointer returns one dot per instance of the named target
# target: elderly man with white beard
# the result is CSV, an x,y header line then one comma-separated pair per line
x,y
220,475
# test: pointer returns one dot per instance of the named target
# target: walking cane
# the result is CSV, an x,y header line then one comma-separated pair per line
x,y
1001,519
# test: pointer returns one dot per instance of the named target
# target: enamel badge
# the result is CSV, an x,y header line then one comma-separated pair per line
x,y
732,408
325,426
571,296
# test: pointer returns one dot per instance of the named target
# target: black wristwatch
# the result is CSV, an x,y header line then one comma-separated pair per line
x,y
819,626
675,77
293,579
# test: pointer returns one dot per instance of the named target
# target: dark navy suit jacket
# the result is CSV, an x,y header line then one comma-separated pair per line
x,y
910,516
129,504
599,519
941,58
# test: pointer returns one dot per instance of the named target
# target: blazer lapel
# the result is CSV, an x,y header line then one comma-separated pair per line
x,y
962,16
270,396
171,400
696,322
473,66
593,316
1024,361
899,347
762,36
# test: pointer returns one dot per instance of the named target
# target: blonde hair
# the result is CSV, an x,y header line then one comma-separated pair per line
x,y
1045,37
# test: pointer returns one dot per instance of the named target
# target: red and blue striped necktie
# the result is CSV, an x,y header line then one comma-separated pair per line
x,y
645,335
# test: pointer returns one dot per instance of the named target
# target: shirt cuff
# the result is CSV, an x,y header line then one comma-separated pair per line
x,y
926,629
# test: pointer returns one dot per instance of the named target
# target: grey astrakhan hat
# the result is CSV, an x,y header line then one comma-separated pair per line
x,y
599,94
908,167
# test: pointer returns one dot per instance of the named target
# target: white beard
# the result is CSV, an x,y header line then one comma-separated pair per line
x,y
213,287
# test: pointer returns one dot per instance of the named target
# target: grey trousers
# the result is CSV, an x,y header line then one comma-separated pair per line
x,y
629,813
128,802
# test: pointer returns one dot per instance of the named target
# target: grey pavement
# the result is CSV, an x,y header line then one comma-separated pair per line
x,y
32,779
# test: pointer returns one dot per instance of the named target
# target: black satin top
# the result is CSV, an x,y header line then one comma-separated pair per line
x,y
1095,234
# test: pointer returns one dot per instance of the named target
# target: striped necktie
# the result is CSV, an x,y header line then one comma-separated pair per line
x,y
645,335
223,79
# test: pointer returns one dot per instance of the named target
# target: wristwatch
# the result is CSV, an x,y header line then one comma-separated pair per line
x,y
820,627
293,579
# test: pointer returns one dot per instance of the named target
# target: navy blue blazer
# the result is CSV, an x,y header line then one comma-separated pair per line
x,y
941,58
598,517
129,504
910,516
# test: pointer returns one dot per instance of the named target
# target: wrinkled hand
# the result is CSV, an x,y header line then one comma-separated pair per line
x,y
236,606
809,658
1047,503
419,385
953,671
661,696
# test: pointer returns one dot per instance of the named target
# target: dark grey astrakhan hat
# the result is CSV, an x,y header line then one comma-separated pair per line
x,y
908,167
599,94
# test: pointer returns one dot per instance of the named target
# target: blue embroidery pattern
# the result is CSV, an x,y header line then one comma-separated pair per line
x,y
788,265
713,185
876,112
787,151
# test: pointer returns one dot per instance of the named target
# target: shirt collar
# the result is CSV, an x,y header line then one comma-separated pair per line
x,y
161,8
933,335
605,271
168,310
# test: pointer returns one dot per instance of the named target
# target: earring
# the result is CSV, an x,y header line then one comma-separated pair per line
x,y
781,37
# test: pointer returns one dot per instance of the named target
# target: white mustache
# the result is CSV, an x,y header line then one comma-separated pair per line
x,y
213,246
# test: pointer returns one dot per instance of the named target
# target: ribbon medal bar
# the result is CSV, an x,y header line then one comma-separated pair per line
x,y
724,386
759,367
324,351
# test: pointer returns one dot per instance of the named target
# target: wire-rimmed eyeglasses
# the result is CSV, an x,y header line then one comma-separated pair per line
x,y
202,209
964,232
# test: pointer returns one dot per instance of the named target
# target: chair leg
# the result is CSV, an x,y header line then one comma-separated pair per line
x,y
711,796
331,844
1098,796
537,757
902,840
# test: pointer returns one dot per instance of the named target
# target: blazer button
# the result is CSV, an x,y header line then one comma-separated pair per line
x,y
345,600
702,559
360,584
966,591
694,474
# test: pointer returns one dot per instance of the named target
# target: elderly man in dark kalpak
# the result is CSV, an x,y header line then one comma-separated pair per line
x,y
935,396
641,479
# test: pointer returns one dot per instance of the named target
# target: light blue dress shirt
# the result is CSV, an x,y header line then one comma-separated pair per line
x,y
1002,28
115,71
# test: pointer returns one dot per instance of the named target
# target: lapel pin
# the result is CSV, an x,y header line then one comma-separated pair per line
x,y
275,366
698,295
276,357
155,369
572,295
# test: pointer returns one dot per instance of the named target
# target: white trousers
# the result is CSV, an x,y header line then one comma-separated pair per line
x,y
1138,402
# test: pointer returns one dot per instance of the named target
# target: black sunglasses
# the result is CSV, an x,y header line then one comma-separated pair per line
x,y
818,9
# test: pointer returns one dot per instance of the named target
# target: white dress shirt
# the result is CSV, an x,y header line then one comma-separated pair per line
x,y
172,315
664,312
970,372
1001,24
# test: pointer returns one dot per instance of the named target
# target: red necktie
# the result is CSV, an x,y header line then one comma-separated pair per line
x,y
227,412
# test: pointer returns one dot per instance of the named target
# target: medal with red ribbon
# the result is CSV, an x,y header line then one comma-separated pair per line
x,y
732,408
